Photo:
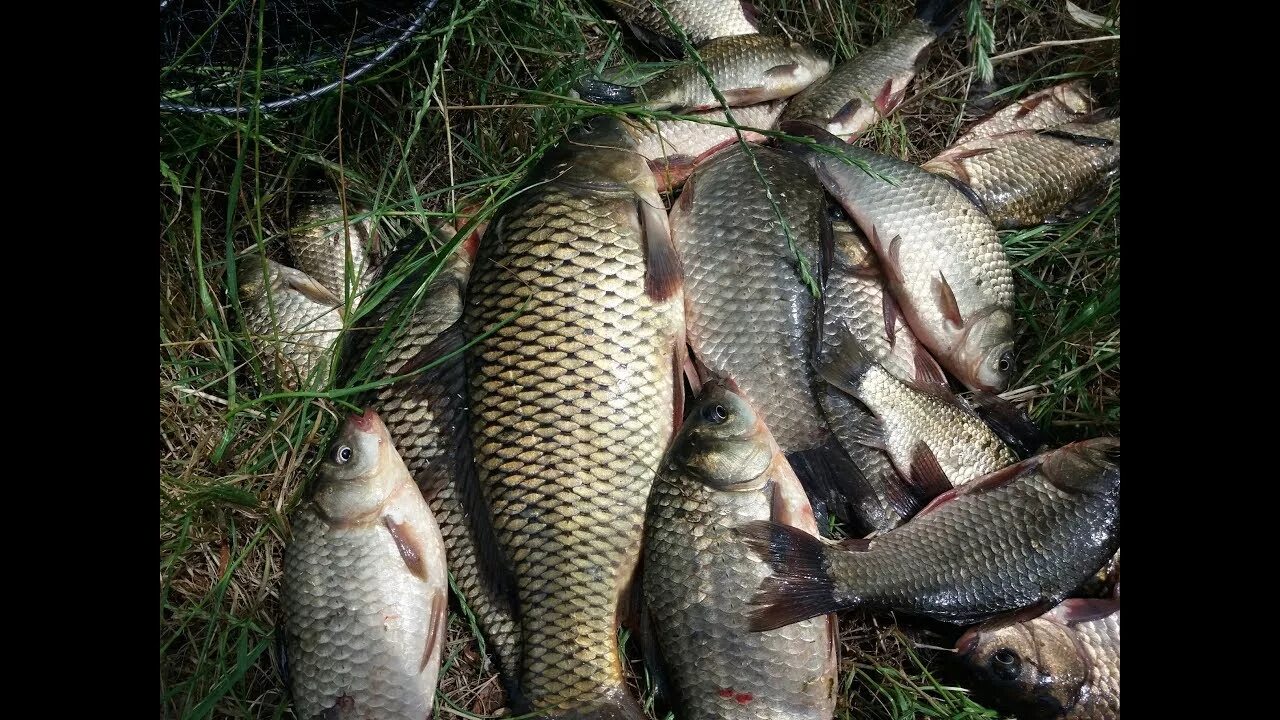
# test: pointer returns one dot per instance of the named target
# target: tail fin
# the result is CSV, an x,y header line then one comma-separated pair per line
x,y
939,15
605,93
800,587
847,366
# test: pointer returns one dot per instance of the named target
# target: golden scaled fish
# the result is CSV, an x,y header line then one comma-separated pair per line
x,y
700,20
576,309
724,469
1054,105
746,69
365,590
674,148
873,83
335,247
1062,665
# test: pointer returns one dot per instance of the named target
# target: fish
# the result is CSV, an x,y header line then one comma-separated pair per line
x,y
873,498
1064,664
746,69
675,147
723,469
941,255
1030,177
575,308
365,588
749,315
419,326
293,322
1023,536
1106,582
1056,105
319,242
933,439
874,82
700,20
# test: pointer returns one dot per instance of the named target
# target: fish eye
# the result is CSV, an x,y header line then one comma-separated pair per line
x,y
1006,664
342,455
715,414
1005,363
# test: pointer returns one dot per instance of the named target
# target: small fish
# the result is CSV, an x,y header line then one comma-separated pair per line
x,y
1023,536
323,235
1062,103
941,255
674,148
1029,177
701,20
747,69
724,469
365,590
869,86
1062,665
293,322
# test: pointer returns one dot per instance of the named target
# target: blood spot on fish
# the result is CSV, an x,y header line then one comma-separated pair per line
x,y
725,692
744,698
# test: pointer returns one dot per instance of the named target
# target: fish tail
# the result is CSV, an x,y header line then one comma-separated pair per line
x,y
846,368
605,93
801,585
939,15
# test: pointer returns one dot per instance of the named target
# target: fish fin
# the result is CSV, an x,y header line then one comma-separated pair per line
x,y
884,100
929,375
679,359
868,431
1079,610
685,203
657,42
986,483
946,300
807,128
309,287
662,273
850,363
926,476
438,621
847,112
939,15
962,186
652,653
855,544
605,93
970,153
1009,422
1077,138
893,254
750,13
892,314
739,97
826,258
831,481
410,546
800,587
691,374
782,71
670,172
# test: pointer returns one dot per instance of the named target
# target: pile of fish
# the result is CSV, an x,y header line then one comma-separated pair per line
x,y
605,414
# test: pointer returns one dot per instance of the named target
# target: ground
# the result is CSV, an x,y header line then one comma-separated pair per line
x,y
452,122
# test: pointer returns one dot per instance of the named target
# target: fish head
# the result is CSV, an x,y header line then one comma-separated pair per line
x,y
810,66
1089,466
599,154
1037,666
357,475
986,356
724,442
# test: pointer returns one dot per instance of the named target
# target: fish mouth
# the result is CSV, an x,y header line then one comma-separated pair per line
x,y
366,422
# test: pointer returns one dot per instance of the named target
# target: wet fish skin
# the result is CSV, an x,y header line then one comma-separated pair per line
x,y
319,242
747,69
1029,177
870,85
701,20
573,403
1064,664
923,430
723,469
293,322
674,147
1026,535
427,415
1056,105
749,316
941,255
365,590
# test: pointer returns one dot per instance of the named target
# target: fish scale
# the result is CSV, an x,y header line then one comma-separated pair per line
x,y
749,316
427,416
572,406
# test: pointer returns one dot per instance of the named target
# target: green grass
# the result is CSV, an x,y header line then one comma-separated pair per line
x,y
456,122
